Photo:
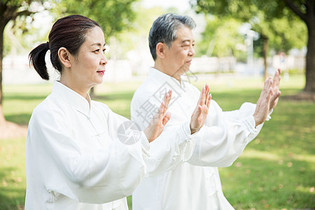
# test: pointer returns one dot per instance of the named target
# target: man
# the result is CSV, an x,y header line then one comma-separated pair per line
x,y
192,181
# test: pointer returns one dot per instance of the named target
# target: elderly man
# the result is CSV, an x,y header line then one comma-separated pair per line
x,y
191,180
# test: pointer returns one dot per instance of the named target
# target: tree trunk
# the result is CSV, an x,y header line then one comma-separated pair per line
x,y
2,25
2,119
265,54
310,59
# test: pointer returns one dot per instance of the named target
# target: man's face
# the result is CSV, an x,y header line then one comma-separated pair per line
x,y
179,56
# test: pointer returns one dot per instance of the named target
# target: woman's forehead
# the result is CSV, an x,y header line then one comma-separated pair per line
x,y
95,36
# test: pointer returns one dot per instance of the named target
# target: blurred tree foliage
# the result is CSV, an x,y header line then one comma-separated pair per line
x,y
221,38
276,22
17,11
112,15
131,39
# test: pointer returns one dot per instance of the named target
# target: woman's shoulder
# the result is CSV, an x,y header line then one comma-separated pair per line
x,y
99,106
50,106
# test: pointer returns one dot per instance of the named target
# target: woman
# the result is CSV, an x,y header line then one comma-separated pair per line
x,y
77,156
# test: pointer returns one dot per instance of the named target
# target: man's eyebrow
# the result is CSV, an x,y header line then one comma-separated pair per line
x,y
188,40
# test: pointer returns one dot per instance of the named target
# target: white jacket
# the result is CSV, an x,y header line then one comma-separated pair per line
x,y
191,181
75,158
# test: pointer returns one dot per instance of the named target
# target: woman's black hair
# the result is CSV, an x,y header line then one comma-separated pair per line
x,y
68,32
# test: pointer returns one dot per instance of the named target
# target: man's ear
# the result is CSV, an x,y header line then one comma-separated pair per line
x,y
160,50
64,57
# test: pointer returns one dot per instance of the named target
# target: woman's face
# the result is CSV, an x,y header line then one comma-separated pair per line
x,y
88,66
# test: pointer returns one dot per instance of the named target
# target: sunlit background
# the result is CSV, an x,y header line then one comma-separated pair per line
x,y
226,45
238,44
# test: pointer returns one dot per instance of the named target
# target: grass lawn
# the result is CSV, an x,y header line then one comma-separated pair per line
x,y
276,170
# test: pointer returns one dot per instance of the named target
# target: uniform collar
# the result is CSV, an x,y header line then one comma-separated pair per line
x,y
72,98
164,78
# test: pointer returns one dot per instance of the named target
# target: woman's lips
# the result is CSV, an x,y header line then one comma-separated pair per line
x,y
101,72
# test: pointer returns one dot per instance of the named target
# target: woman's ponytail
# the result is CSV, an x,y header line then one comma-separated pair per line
x,y
68,32
37,59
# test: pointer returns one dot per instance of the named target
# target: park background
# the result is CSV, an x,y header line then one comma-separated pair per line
x,y
234,53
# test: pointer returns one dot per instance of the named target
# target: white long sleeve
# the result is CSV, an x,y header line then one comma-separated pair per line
x,y
224,136
173,146
191,182
75,158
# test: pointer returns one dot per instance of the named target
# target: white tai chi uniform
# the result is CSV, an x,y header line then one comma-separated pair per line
x,y
75,158
191,182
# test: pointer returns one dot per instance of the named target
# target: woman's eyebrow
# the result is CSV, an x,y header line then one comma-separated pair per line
x,y
98,44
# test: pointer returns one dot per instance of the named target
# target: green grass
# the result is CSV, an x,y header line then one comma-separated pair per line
x,y
276,170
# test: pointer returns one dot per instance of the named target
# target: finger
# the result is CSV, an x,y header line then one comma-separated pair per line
x,y
268,83
167,99
274,100
166,118
276,79
208,101
165,102
161,111
202,96
164,105
265,90
275,95
207,90
270,93
199,111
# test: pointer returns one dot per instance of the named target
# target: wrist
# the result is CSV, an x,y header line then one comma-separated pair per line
x,y
257,120
193,130
147,135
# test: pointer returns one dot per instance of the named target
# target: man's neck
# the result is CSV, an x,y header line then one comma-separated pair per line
x,y
162,68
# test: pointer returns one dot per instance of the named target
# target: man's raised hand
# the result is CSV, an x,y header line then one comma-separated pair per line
x,y
268,98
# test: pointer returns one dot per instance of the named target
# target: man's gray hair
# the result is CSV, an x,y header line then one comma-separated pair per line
x,y
164,30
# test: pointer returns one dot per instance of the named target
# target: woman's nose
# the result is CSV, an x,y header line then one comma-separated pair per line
x,y
103,60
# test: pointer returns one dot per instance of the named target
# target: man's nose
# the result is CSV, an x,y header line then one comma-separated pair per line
x,y
191,51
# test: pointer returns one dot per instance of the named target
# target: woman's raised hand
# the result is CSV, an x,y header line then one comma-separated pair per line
x,y
159,120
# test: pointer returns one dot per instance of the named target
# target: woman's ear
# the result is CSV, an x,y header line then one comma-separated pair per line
x,y
64,57
160,50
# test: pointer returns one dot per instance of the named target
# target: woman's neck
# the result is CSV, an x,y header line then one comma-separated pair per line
x,y
76,87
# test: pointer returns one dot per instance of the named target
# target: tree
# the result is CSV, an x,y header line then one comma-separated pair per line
x,y
264,13
10,11
220,37
306,11
112,15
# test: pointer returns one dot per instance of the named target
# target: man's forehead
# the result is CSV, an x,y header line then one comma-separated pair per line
x,y
183,40
184,34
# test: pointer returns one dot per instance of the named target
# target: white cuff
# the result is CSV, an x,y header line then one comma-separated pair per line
x,y
145,145
184,132
249,123
269,117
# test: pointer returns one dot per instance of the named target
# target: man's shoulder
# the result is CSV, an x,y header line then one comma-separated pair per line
x,y
146,89
144,94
